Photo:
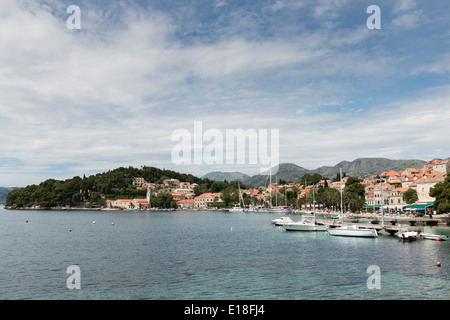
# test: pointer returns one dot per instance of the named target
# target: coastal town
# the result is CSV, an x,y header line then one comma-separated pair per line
x,y
388,190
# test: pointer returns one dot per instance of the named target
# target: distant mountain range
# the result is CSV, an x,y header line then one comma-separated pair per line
x,y
361,167
4,193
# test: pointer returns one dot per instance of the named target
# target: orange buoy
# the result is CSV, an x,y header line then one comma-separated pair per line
x,y
438,239
438,264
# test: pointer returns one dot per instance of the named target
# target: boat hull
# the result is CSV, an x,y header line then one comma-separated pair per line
x,y
303,227
344,232
429,236
281,221
408,236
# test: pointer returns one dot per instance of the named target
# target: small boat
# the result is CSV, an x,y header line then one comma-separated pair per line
x,y
408,236
237,208
430,236
307,223
281,221
353,231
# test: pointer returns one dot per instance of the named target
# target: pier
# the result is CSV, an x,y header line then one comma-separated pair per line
x,y
389,225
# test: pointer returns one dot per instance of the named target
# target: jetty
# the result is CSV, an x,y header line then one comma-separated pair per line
x,y
388,223
387,226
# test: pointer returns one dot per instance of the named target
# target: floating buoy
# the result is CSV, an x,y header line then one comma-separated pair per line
x,y
70,230
438,264
93,222
231,229
112,223
26,221
438,239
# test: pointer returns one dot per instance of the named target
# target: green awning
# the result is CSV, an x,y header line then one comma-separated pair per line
x,y
419,207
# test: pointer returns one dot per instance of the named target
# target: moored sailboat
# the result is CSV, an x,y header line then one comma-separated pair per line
x,y
307,223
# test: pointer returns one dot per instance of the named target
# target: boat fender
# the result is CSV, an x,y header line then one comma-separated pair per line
x,y
438,239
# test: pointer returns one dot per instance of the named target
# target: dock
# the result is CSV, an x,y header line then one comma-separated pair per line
x,y
389,225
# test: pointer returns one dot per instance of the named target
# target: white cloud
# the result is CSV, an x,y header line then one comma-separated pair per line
x,y
404,5
112,93
328,9
439,65
409,20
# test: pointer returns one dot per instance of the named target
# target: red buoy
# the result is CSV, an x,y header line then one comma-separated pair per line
x,y
70,230
26,221
438,264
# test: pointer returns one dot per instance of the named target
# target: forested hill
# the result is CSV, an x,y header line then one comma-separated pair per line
x,y
97,188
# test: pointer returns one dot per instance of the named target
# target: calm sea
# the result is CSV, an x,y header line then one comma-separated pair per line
x,y
207,256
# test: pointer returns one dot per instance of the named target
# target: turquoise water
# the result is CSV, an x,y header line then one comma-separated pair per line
x,y
207,256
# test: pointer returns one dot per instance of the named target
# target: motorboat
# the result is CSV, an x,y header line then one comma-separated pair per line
x,y
307,223
281,221
353,231
408,236
437,237
237,208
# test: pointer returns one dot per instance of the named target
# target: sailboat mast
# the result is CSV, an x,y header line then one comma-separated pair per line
x,y
340,176
276,191
239,188
285,196
270,187
382,202
314,202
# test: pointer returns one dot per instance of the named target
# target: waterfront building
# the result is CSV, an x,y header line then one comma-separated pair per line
x,y
424,185
206,199
124,204
395,199
141,204
185,204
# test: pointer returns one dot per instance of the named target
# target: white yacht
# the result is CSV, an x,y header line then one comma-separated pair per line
x,y
281,221
353,231
307,223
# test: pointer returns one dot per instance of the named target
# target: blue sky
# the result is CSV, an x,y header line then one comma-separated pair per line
x,y
111,94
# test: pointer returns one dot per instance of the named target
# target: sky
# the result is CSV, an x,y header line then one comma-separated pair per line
x,y
115,91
